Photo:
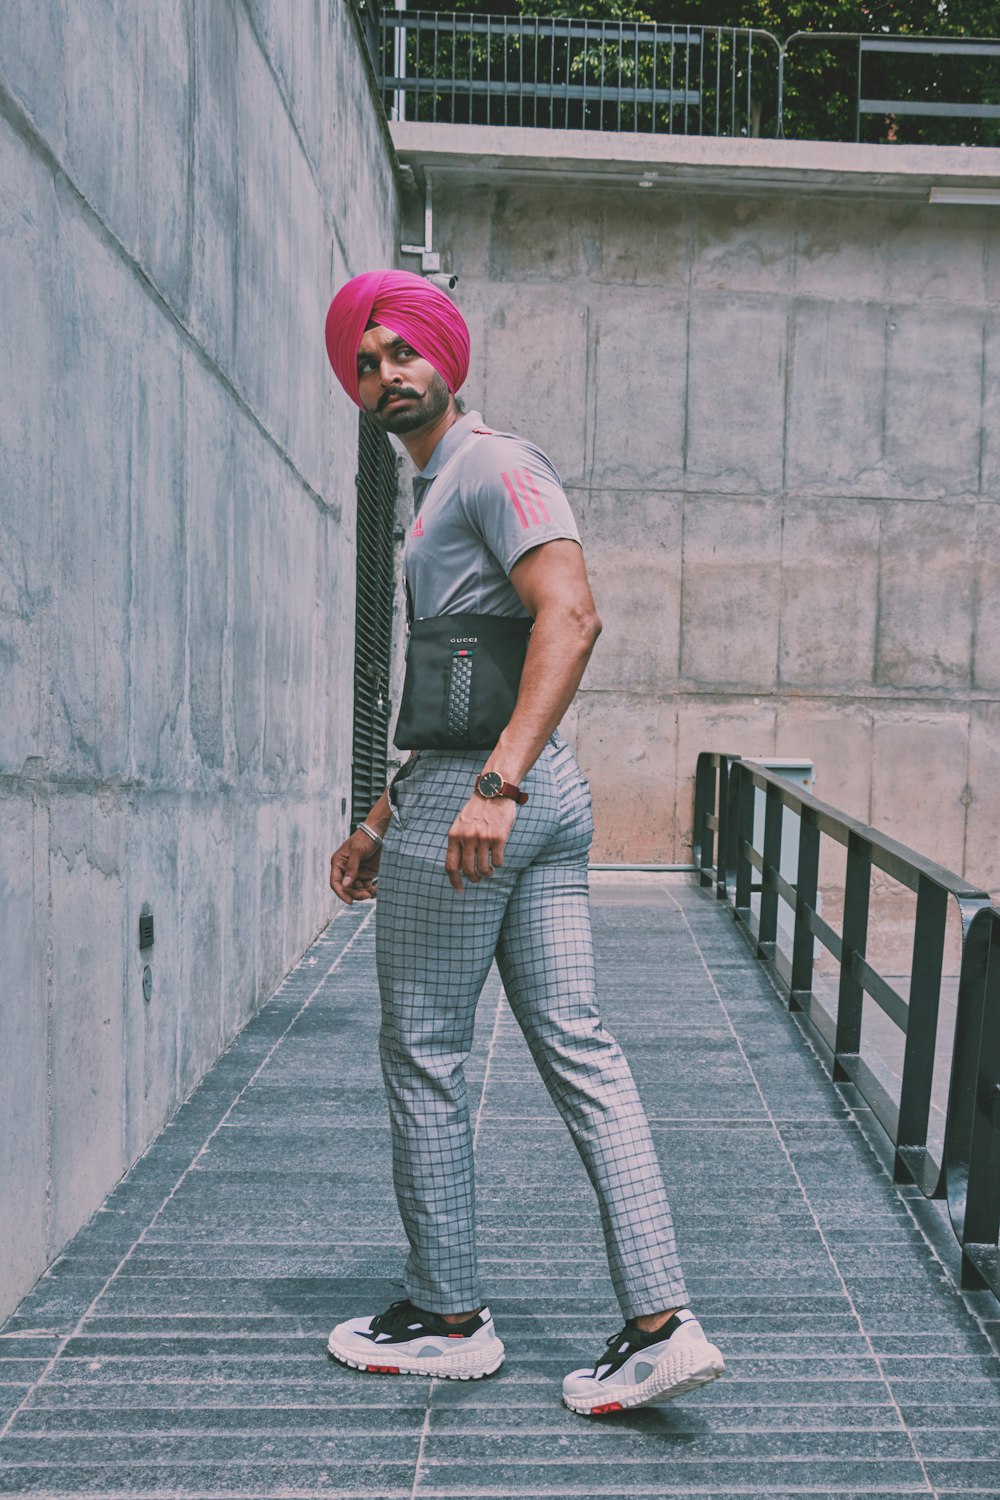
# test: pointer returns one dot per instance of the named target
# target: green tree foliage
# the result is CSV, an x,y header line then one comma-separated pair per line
x,y
913,17
821,76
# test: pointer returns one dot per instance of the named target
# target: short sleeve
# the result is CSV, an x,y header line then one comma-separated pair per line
x,y
514,499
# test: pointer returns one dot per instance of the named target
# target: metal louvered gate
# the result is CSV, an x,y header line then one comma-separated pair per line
x,y
376,486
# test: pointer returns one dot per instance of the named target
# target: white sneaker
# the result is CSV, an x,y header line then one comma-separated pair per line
x,y
640,1369
405,1341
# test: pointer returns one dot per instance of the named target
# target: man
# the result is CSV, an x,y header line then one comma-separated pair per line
x,y
485,855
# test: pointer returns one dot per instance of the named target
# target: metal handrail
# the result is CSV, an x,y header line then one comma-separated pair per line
x,y
726,855
570,73
972,1141
577,73
881,43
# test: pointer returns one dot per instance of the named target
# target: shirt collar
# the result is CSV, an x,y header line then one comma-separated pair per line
x,y
452,440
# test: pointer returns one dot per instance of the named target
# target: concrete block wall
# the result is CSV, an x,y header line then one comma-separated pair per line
x,y
181,185
777,417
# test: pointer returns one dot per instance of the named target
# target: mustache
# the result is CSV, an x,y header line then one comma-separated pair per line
x,y
394,395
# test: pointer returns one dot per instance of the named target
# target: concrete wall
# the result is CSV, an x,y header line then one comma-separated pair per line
x,y
777,416
181,185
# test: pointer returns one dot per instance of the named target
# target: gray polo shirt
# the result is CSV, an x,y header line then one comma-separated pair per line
x,y
499,496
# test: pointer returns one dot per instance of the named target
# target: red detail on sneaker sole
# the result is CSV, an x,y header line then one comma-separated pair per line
x,y
382,1369
599,1411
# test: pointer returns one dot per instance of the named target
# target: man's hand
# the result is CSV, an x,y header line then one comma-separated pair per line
x,y
477,837
354,869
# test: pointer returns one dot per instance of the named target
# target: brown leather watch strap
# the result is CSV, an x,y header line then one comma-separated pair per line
x,y
505,789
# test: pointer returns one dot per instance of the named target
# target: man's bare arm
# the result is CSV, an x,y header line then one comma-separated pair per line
x,y
552,583
551,580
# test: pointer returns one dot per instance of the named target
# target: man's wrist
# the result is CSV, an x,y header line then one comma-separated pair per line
x,y
491,786
378,820
508,764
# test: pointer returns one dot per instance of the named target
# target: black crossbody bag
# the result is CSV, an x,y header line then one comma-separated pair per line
x,y
462,677
462,673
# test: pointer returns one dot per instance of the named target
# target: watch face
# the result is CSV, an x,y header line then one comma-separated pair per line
x,y
490,784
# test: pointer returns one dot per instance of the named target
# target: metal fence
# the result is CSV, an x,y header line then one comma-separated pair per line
x,y
972,1145
577,74
728,791
920,90
561,73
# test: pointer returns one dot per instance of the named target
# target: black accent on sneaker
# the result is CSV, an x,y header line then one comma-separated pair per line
x,y
631,1339
402,1322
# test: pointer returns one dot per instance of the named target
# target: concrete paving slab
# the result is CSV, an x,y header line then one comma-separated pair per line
x,y
177,1348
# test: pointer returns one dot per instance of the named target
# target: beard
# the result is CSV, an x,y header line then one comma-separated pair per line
x,y
421,411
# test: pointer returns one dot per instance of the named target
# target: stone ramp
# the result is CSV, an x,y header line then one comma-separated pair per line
x,y
177,1348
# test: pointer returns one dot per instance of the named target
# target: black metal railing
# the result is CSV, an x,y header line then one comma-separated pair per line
x,y
929,90
580,74
728,828
565,74
972,1144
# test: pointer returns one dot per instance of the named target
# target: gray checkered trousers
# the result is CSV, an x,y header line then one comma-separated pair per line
x,y
434,950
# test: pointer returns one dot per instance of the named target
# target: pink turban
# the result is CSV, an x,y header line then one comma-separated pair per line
x,y
413,308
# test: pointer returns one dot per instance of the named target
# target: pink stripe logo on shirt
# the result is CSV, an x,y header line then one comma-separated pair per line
x,y
529,483
529,504
531,508
517,503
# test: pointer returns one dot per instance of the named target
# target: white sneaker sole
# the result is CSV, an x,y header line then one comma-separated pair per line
x,y
693,1365
471,1366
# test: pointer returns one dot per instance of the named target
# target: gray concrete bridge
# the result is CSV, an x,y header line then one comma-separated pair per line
x,y
177,1347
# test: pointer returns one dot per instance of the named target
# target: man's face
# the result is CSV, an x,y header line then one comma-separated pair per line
x,y
398,389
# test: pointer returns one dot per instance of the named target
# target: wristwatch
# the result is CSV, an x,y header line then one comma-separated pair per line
x,y
491,784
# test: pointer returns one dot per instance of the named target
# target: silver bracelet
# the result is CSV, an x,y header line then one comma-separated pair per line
x,y
376,838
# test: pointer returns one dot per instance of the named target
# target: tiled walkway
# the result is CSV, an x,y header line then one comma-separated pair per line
x,y
177,1348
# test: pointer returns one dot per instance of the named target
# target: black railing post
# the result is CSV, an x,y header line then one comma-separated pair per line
x,y
806,895
732,828
704,806
725,835
982,1204
851,994
921,1029
767,931
744,839
965,1055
